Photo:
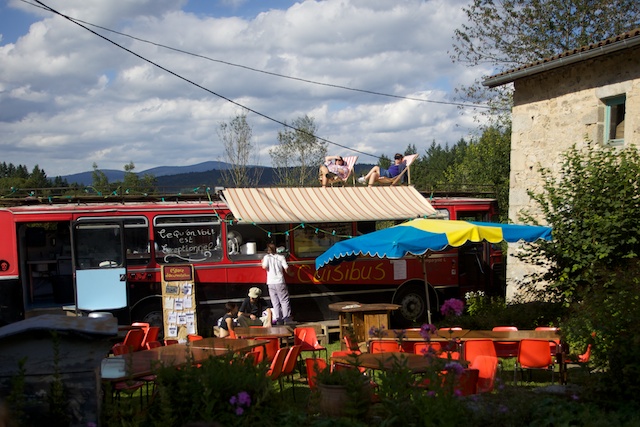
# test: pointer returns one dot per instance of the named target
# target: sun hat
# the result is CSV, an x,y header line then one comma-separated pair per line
x,y
255,292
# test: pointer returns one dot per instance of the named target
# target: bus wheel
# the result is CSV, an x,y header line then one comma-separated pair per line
x,y
413,305
151,313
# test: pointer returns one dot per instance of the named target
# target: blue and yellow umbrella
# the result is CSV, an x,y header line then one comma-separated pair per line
x,y
419,236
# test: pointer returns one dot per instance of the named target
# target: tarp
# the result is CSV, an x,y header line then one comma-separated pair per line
x,y
331,204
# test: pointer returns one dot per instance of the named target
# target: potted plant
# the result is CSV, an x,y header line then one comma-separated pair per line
x,y
343,391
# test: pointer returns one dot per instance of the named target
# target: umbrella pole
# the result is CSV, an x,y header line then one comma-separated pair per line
x,y
426,286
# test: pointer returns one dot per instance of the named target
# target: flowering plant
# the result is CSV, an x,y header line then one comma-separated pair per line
x,y
240,401
452,307
380,332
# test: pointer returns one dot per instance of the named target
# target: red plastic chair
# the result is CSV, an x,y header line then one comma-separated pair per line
x,y
289,367
272,347
506,348
467,384
424,347
345,353
580,359
232,335
380,346
314,366
487,367
258,355
275,369
533,354
133,339
351,344
128,386
553,346
306,338
170,342
473,348
153,344
193,337
150,335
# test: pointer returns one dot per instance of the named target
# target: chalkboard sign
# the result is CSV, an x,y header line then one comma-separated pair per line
x,y
191,242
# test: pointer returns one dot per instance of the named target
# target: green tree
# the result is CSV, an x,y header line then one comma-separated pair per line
x,y
510,33
484,165
239,149
100,181
592,264
133,184
298,154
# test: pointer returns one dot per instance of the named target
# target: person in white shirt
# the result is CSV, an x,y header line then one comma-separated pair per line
x,y
276,265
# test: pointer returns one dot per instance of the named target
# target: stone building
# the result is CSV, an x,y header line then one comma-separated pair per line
x,y
588,94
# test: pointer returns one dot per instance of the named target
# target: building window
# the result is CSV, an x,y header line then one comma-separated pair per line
x,y
614,120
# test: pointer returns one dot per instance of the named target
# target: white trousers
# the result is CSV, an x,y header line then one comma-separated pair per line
x,y
279,295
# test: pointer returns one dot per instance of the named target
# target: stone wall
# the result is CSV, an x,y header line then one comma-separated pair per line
x,y
557,109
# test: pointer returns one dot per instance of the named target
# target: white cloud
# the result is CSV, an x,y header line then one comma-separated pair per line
x,y
71,98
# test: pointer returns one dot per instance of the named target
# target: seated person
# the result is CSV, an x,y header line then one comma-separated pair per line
x,y
254,311
376,172
334,166
227,322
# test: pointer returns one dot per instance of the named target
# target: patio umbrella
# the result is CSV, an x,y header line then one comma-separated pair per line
x,y
419,236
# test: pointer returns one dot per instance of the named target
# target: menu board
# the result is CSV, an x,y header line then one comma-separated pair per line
x,y
179,301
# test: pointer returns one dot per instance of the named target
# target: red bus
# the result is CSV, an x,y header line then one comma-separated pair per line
x,y
87,255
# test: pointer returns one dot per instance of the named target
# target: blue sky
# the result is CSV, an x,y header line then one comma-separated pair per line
x,y
70,99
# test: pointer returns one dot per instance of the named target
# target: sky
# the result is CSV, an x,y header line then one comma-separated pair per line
x,y
70,98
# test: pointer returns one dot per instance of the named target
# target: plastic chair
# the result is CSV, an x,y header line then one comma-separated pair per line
x,y
379,346
128,386
170,342
133,339
345,353
473,348
425,347
275,369
506,348
314,366
467,384
351,344
151,334
580,359
193,337
272,347
289,367
553,346
533,354
153,344
487,367
232,335
306,338
258,355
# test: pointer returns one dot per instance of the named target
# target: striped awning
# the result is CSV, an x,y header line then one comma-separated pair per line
x,y
330,204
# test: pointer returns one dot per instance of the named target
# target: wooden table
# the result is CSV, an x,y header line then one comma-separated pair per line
x,y
360,318
142,363
417,363
234,345
468,334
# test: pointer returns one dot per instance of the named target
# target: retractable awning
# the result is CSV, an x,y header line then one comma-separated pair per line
x,y
330,204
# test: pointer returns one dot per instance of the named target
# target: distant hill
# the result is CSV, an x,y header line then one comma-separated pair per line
x,y
181,178
86,178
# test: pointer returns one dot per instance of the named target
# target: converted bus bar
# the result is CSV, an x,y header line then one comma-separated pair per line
x,y
50,249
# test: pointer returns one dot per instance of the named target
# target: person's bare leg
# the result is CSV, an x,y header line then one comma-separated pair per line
x,y
374,170
374,177
323,175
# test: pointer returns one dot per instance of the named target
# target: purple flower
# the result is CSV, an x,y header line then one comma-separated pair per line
x,y
454,367
427,330
239,410
233,400
401,334
244,399
452,307
377,332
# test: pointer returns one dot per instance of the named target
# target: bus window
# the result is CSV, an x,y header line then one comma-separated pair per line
x,y
248,241
479,216
314,239
189,238
136,240
98,245
444,213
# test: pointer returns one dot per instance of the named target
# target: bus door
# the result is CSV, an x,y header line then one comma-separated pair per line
x,y
99,265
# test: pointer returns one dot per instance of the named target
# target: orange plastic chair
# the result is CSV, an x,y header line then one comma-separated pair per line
x,y
533,354
258,354
170,342
128,386
473,348
272,347
467,384
487,367
314,366
275,369
153,344
345,353
580,359
351,344
193,337
133,339
306,338
289,367
506,348
424,347
151,334
232,335
379,346
553,346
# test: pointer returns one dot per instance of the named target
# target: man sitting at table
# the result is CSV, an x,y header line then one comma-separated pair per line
x,y
254,310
